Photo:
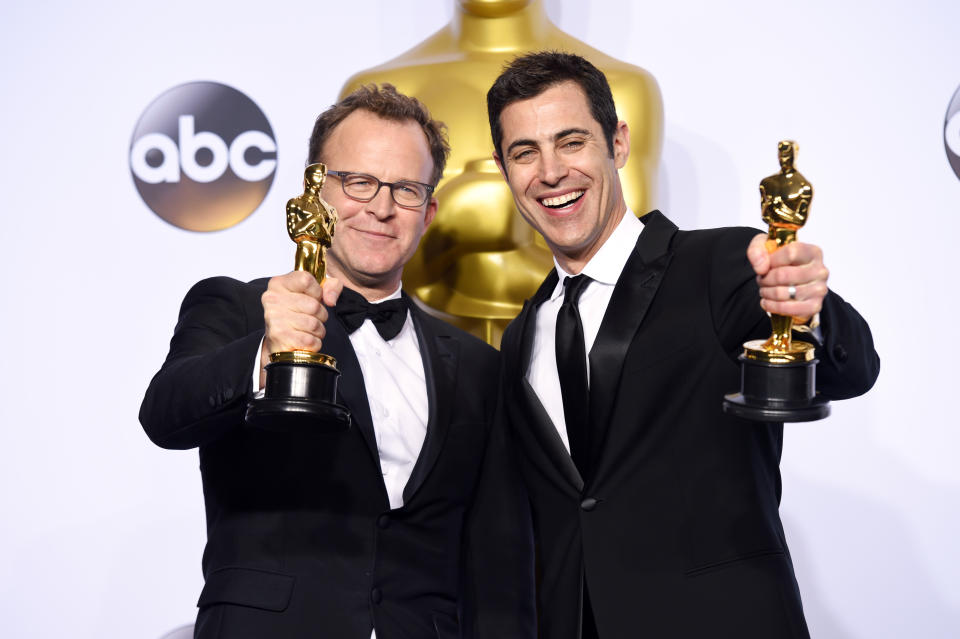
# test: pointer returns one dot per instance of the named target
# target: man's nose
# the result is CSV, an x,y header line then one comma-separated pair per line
x,y
552,168
381,206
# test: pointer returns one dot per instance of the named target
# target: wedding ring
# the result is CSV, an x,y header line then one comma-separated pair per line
x,y
792,292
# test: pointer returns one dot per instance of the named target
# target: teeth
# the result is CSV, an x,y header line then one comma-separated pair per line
x,y
560,200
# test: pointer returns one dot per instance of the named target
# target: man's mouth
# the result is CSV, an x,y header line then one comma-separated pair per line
x,y
562,201
380,234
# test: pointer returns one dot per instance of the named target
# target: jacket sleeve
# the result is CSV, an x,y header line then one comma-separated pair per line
x,y
499,598
848,364
733,290
202,388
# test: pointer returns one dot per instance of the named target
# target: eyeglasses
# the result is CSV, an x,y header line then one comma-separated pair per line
x,y
364,188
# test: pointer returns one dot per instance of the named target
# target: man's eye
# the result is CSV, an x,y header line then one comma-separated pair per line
x,y
526,154
361,182
573,144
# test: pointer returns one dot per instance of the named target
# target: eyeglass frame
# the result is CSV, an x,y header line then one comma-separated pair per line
x,y
341,175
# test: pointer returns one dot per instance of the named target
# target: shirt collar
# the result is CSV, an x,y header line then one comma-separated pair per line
x,y
392,296
608,262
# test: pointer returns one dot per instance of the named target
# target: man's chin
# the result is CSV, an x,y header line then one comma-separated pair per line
x,y
370,276
565,242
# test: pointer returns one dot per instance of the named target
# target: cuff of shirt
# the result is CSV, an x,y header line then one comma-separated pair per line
x,y
811,328
256,367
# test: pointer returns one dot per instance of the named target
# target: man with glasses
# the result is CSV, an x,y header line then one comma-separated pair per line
x,y
410,524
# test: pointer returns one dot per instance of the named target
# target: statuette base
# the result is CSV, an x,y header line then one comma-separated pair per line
x,y
777,392
299,396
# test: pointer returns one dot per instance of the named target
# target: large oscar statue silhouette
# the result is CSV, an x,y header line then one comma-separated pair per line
x,y
479,260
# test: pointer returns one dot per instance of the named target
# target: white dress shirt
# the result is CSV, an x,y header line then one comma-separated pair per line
x,y
604,269
397,392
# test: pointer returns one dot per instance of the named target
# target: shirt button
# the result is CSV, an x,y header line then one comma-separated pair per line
x,y
588,504
383,521
376,596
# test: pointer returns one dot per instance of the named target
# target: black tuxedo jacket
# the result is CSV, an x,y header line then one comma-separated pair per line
x,y
301,540
676,530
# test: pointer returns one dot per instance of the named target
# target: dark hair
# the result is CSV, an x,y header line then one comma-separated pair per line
x,y
388,103
530,75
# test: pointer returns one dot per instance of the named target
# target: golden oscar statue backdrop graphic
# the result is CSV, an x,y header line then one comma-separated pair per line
x,y
479,260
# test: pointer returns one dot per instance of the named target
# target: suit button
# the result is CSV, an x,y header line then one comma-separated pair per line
x,y
588,504
212,400
383,521
376,596
840,353
228,394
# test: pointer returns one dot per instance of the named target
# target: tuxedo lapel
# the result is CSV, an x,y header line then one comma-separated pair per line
x,y
548,437
632,296
540,423
351,388
440,354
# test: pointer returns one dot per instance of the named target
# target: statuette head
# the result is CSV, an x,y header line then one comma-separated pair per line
x,y
787,150
314,176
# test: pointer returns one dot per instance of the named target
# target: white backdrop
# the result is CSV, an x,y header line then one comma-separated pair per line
x,y
102,532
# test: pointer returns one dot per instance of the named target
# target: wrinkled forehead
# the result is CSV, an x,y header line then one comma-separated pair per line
x,y
559,107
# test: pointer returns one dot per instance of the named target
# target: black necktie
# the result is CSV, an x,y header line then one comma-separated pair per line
x,y
387,316
572,369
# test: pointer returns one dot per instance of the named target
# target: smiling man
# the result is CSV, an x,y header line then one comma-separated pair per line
x,y
656,515
410,524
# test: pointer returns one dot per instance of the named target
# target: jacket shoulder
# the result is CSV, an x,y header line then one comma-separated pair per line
x,y
511,334
720,239
472,345
223,286
227,289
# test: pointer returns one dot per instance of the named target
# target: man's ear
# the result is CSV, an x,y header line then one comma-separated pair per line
x,y
621,144
431,212
503,171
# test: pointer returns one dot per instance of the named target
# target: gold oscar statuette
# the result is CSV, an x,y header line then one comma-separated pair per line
x,y
301,386
778,374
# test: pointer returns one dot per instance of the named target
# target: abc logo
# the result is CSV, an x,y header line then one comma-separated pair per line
x,y
203,156
951,133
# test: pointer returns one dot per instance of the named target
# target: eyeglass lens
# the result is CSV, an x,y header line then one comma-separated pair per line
x,y
365,187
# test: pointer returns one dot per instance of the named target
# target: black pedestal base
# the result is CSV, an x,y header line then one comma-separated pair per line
x,y
299,397
777,393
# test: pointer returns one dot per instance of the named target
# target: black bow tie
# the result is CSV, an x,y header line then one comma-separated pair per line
x,y
387,316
